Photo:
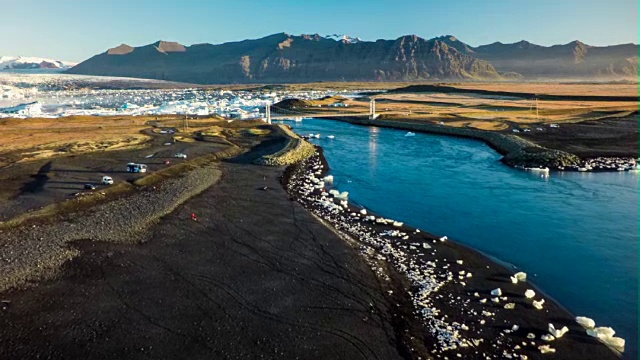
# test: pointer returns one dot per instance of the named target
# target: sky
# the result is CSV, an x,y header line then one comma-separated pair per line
x,y
75,30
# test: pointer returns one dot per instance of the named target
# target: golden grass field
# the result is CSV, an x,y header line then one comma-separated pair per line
x,y
40,138
623,89
494,113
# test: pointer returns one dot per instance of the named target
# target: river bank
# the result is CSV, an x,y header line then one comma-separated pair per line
x,y
516,151
253,275
457,310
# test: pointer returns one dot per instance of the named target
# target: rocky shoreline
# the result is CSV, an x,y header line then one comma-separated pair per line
x,y
467,306
516,151
295,150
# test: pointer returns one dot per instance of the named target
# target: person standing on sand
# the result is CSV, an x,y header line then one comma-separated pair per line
x,y
193,217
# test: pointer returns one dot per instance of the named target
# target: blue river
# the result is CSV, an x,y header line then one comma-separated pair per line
x,y
575,234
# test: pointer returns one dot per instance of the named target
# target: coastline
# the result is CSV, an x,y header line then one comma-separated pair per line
x,y
401,251
516,151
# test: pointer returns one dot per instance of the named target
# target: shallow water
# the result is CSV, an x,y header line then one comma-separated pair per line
x,y
575,234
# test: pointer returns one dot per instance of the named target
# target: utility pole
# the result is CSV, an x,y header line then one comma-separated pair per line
x,y
268,113
185,124
537,108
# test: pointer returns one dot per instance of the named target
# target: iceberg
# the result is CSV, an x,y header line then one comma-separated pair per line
x,y
521,276
585,322
544,349
601,332
547,337
605,334
538,304
557,333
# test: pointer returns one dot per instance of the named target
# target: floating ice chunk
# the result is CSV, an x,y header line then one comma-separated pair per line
x,y
605,334
514,279
531,336
459,262
544,349
601,332
515,328
398,223
496,292
495,300
426,246
586,322
615,342
469,275
363,211
557,333
483,301
444,238
521,276
331,136
538,304
529,294
410,134
342,196
510,306
328,179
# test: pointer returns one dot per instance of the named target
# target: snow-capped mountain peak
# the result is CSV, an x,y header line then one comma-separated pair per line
x,y
28,62
344,38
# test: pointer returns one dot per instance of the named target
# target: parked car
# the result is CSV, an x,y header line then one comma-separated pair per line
x,y
181,155
107,180
136,168
89,187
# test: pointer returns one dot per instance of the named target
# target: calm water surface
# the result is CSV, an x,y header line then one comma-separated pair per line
x,y
575,234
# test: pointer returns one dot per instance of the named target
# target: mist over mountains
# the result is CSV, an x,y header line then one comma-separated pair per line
x,y
283,58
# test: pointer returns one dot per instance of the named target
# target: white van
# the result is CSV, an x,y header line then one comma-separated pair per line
x,y
107,180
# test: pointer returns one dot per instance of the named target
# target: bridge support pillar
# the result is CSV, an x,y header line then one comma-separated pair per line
x,y
372,109
268,114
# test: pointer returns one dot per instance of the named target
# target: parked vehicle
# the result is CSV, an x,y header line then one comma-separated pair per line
x,y
181,155
107,180
136,168
89,187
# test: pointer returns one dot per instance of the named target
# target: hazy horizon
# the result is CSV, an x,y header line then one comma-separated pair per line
x,y
77,30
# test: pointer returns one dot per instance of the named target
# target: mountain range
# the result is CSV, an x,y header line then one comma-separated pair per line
x,y
284,58
21,63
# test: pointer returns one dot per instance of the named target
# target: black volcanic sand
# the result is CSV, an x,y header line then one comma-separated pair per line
x,y
457,302
256,276
611,137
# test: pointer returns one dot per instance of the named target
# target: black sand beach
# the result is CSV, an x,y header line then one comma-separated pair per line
x,y
257,275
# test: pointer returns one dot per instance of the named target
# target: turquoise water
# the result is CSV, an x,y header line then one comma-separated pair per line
x,y
575,234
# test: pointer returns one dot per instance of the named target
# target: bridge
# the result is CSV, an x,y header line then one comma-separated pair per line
x,y
273,112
